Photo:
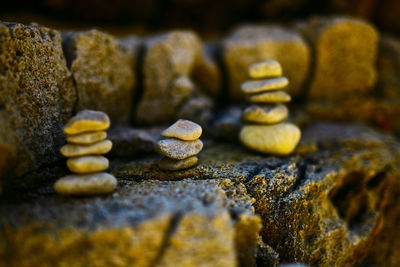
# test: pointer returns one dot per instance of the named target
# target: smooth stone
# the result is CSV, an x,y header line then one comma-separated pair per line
x,y
168,164
271,97
184,130
71,150
279,139
178,149
88,184
87,121
267,68
87,164
87,138
265,114
251,87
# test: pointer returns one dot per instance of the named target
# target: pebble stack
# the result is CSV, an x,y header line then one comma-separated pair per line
x,y
180,146
264,130
87,142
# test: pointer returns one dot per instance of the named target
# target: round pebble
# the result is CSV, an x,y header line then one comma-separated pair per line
x,y
271,97
71,150
89,184
87,138
279,139
268,68
178,149
184,130
173,164
87,121
87,164
251,87
265,114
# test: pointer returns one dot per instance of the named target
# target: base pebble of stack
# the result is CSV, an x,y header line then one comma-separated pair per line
x,y
180,146
264,130
87,142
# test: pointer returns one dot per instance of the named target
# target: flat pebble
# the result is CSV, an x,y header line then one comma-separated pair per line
x,y
89,184
265,114
271,97
258,86
87,138
178,149
184,130
173,164
87,164
87,121
71,150
268,68
279,139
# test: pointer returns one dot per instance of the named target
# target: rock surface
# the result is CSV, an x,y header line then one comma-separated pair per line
x,y
103,73
87,164
249,44
388,67
87,138
336,204
267,68
167,57
258,86
271,97
345,50
37,97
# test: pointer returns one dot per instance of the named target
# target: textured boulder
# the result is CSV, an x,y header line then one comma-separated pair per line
x,y
143,224
103,71
389,67
37,97
345,51
250,44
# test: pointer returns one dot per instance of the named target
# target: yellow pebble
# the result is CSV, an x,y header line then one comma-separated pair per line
x,y
271,97
268,68
87,164
71,150
87,138
87,121
258,86
89,184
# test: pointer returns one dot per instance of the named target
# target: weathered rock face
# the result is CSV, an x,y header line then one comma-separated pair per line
x,y
169,61
103,71
333,202
249,44
143,224
345,51
389,67
37,97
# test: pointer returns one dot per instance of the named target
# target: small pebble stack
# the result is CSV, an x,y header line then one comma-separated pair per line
x,y
264,129
181,146
87,141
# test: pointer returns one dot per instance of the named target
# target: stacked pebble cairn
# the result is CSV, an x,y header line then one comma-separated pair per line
x,y
181,146
264,130
86,143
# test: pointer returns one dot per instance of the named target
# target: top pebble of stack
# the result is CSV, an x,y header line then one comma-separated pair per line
x,y
87,121
183,130
268,68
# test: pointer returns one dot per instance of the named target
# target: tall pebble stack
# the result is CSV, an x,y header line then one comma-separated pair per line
x,y
264,129
180,146
87,142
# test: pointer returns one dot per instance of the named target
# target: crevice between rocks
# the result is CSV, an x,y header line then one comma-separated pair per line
x,y
139,90
164,245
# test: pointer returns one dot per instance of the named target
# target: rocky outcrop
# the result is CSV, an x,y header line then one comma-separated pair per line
x,y
345,51
37,97
169,61
249,44
103,71
333,202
